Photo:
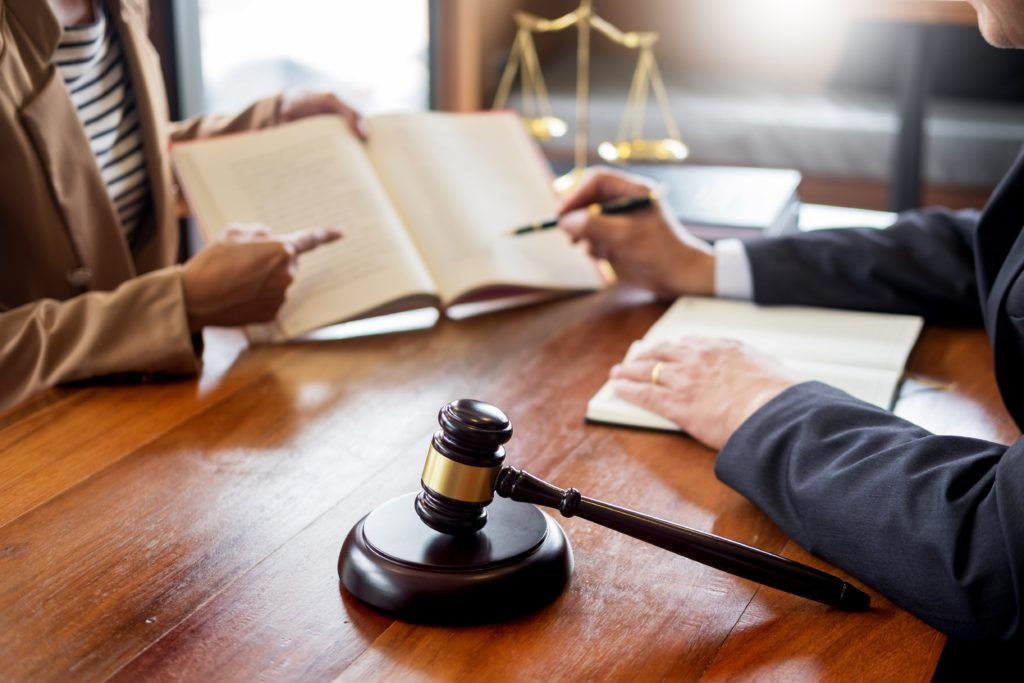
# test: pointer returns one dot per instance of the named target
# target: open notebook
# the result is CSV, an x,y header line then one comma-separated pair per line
x,y
861,353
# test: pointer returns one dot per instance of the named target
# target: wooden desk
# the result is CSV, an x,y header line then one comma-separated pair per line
x,y
190,530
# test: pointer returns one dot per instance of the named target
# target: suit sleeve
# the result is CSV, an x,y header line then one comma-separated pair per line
x,y
935,523
922,265
139,327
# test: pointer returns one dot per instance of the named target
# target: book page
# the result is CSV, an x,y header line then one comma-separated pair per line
x,y
461,183
861,353
877,387
606,406
872,385
818,335
310,173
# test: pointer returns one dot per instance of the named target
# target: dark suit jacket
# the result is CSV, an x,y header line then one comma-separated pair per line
x,y
936,523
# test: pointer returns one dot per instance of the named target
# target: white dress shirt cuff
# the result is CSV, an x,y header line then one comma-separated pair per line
x,y
732,270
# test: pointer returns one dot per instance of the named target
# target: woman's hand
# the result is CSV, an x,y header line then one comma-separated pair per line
x,y
648,247
298,104
242,277
708,386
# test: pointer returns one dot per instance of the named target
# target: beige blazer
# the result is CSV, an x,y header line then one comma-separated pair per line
x,y
76,301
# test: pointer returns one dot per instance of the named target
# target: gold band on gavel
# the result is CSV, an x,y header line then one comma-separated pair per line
x,y
458,481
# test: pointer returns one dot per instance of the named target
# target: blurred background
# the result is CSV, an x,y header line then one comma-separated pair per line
x,y
878,103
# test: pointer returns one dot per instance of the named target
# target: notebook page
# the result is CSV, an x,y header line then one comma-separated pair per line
x,y
874,340
871,385
861,353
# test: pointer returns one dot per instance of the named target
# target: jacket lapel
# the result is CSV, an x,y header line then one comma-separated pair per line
x,y
999,259
1000,244
51,122
57,135
159,246
42,28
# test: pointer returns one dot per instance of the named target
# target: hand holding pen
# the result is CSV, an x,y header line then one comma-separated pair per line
x,y
646,248
618,205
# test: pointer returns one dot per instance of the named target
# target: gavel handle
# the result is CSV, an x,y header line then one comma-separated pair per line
x,y
721,553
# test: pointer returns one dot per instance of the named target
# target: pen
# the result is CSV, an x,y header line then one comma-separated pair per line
x,y
620,205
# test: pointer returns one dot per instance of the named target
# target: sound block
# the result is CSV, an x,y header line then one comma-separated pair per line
x,y
519,562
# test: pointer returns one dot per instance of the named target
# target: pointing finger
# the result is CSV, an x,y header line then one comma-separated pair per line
x,y
245,232
307,240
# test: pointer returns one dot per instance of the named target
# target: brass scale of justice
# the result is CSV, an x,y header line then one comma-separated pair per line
x,y
452,553
630,145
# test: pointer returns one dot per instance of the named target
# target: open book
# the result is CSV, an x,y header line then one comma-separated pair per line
x,y
426,206
860,353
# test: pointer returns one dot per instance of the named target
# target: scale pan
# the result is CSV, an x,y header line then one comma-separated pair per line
x,y
640,150
546,127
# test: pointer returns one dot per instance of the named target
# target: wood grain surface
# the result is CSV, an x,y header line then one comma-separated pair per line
x,y
189,530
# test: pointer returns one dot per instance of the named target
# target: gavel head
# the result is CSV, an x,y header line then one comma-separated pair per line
x,y
463,461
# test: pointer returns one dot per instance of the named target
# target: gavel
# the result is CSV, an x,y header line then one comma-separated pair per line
x,y
447,567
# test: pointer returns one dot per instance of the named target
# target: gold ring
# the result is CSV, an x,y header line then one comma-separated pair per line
x,y
656,371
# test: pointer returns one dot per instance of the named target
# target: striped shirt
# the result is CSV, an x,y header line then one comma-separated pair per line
x,y
92,64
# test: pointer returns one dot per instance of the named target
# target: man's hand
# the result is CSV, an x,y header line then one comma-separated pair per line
x,y
242,277
298,104
708,386
647,247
